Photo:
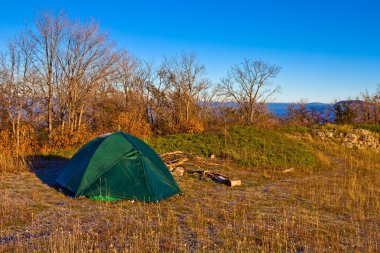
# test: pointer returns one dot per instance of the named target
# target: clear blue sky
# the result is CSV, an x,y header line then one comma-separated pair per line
x,y
327,49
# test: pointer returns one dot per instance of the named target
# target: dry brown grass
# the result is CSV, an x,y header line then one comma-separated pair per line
x,y
334,208
11,163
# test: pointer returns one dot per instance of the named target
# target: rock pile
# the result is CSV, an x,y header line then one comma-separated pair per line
x,y
359,138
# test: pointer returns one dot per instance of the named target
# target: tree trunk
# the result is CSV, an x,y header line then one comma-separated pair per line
x,y
50,103
80,116
18,133
187,110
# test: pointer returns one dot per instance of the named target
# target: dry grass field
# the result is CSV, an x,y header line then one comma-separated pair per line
x,y
332,206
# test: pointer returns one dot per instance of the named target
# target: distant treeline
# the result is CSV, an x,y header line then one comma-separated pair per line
x,y
63,81
363,110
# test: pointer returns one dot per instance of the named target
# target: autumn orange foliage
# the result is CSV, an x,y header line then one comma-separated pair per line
x,y
132,123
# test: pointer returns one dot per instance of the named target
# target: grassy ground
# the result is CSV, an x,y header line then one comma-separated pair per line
x,y
247,145
330,202
372,128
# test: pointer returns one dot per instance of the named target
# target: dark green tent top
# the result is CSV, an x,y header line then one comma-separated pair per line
x,y
118,166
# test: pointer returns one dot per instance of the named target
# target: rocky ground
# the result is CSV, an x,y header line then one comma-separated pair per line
x,y
356,139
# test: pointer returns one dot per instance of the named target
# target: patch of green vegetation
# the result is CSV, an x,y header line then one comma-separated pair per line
x,y
341,128
263,147
375,128
249,146
296,129
103,198
202,144
55,153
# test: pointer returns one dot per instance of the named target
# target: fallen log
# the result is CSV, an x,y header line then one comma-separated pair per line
x,y
171,153
175,163
174,159
216,177
212,164
233,183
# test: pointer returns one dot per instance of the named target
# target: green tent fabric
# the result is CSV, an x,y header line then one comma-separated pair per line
x,y
118,166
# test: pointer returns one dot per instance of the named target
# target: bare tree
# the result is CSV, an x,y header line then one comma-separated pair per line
x,y
86,59
298,113
366,108
160,108
184,79
209,108
376,102
127,76
46,39
16,81
249,84
134,77
369,109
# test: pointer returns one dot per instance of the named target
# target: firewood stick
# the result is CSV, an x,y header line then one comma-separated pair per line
x,y
171,153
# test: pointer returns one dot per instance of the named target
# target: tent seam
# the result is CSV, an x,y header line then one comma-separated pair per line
x,y
146,176
83,176
76,194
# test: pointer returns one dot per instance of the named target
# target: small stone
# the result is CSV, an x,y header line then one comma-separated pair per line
x,y
349,145
178,171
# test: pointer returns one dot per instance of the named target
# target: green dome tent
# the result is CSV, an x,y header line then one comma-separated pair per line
x,y
118,166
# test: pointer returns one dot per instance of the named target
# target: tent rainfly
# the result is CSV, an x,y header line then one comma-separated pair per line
x,y
118,166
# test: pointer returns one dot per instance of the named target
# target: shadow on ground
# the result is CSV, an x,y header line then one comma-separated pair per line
x,y
48,168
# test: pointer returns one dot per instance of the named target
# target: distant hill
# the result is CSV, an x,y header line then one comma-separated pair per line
x,y
354,102
281,109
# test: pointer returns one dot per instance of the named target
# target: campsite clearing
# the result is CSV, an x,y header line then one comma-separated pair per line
x,y
331,207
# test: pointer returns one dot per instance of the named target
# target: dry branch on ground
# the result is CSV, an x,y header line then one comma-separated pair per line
x,y
176,158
